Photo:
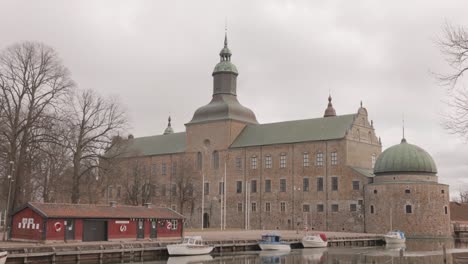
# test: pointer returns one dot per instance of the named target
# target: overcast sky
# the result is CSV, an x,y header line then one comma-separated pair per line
x,y
158,56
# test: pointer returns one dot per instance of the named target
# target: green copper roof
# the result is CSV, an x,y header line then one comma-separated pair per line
x,y
225,66
404,157
334,127
156,145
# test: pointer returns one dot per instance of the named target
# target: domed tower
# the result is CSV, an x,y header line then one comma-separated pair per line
x,y
406,195
224,115
168,129
330,111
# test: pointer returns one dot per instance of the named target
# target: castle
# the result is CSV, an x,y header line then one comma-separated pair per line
x,y
327,173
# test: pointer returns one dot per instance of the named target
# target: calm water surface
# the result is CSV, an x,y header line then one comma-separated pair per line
x,y
414,251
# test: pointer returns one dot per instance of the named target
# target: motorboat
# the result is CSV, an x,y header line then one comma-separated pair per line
x,y
315,241
395,237
3,257
191,245
273,242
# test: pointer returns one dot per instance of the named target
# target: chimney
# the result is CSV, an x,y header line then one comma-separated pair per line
x,y
113,204
148,205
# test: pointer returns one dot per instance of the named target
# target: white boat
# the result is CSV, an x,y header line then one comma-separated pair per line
x,y
3,257
191,245
273,242
315,241
395,237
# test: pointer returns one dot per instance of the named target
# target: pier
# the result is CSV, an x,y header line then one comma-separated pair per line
x,y
144,250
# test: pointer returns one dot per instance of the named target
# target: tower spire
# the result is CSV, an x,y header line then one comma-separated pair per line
x,y
330,111
168,129
403,140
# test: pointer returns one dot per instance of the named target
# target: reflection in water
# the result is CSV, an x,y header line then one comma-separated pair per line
x,y
413,252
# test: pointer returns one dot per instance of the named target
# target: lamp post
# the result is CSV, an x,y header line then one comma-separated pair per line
x,y
10,179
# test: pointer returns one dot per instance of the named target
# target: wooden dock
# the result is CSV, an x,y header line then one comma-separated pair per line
x,y
139,251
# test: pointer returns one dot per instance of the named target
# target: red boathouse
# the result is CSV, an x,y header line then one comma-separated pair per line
x,y
89,222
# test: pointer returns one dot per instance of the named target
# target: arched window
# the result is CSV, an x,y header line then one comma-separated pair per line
x,y
215,159
445,209
199,160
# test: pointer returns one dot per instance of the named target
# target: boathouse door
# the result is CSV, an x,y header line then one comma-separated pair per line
x,y
69,229
94,230
206,220
141,229
153,230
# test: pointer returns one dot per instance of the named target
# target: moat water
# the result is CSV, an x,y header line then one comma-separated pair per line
x,y
414,251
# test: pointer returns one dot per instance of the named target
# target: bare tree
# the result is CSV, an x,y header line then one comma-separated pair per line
x,y
185,185
454,45
92,124
33,82
136,182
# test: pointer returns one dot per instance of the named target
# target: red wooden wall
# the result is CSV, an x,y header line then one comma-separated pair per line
x,y
27,224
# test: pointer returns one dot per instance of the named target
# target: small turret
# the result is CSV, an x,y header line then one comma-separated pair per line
x,y
330,111
168,129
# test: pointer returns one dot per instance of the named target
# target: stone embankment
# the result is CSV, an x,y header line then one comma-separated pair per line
x,y
146,250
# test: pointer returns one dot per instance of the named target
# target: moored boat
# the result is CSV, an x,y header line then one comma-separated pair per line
x,y
3,257
192,245
273,242
395,237
315,241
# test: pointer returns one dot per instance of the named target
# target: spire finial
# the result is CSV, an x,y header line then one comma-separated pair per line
x,y
225,33
361,103
225,54
169,121
403,140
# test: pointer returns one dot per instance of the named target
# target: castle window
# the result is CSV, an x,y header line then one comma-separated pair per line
x,y
282,185
163,169
221,187
267,207
446,209
174,168
199,161
334,207
371,209
154,171
320,184
375,191
254,207
267,185
207,188
407,191
334,158
238,163
305,208
373,159
215,159
283,207
356,185
319,159
320,208
305,184
442,191
253,162
360,202
239,207
239,187
283,161
253,186
268,162
305,159
409,209
334,183
353,207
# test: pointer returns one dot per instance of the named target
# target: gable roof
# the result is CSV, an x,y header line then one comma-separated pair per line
x,y
63,210
316,129
156,145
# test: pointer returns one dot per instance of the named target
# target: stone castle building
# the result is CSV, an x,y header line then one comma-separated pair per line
x,y
315,173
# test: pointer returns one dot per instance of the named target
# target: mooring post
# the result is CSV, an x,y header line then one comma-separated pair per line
x,y
78,255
